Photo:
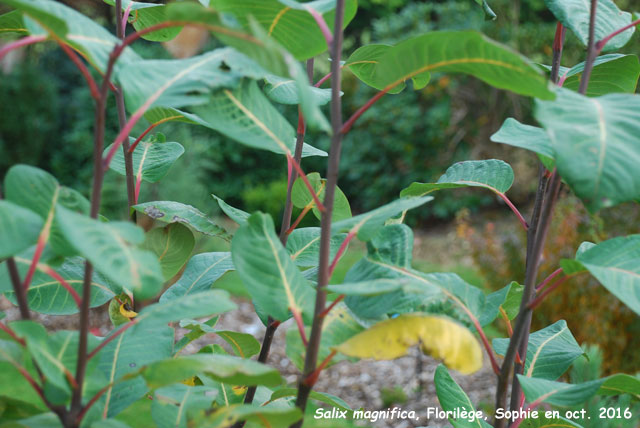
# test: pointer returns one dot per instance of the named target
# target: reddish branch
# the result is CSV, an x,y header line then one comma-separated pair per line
x,y
548,279
55,275
297,316
11,333
343,247
602,43
25,41
521,219
107,340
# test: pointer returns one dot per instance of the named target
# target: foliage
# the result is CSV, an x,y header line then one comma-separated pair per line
x,y
68,256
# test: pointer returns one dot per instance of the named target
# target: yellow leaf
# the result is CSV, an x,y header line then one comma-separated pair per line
x,y
190,382
126,312
438,336
239,390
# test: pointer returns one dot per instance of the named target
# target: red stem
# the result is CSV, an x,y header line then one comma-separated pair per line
x,y
487,346
144,134
341,250
55,275
91,402
546,292
110,338
324,79
32,382
548,279
521,219
304,178
602,43
299,219
125,17
349,123
93,87
298,317
332,305
313,377
507,321
322,24
42,241
11,333
25,41
138,184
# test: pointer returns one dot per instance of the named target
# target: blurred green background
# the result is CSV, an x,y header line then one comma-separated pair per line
x,y
46,120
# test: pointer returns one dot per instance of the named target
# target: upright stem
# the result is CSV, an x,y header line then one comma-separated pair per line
x,y
122,119
311,358
536,234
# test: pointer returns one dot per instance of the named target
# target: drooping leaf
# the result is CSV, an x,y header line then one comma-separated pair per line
x,y
304,245
368,224
223,368
550,351
151,161
245,115
439,337
574,14
526,137
47,296
339,326
271,277
110,247
490,14
301,197
616,264
452,397
244,345
511,304
172,404
19,228
95,43
611,73
491,174
598,158
172,245
558,393
288,21
234,213
39,191
457,52
201,272
175,212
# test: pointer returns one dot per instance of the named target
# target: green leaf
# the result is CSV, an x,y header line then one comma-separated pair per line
x,y
598,159
172,404
144,15
223,368
201,272
304,246
285,91
491,174
364,63
511,304
12,383
339,326
490,14
234,214
245,115
93,41
151,161
178,82
19,228
558,393
493,303
244,345
205,303
615,263
322,397
620,384
126,354
452,397
271,277
574,14
43,420
255,415
368,224
439,337
175,212
550,351
457,52
301,197
526,137
110,248
12,22
40,192
543,422
48,296
288,22
172,245
611,73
